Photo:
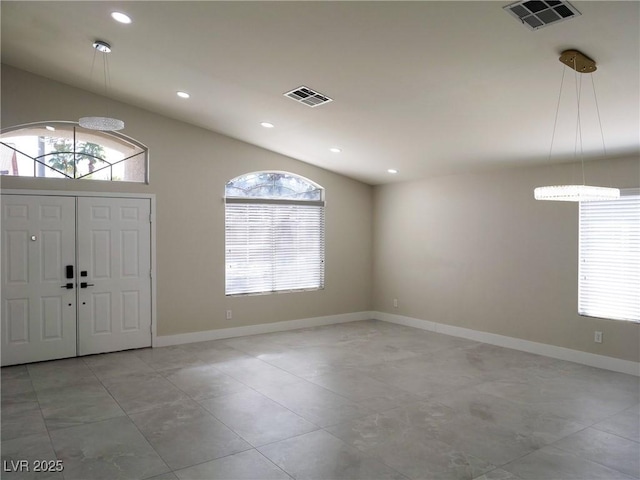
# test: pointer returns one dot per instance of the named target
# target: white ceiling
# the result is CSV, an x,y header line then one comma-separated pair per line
x,y
428,88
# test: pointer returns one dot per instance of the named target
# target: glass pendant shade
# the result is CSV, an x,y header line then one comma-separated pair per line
x,y
104,124
575,193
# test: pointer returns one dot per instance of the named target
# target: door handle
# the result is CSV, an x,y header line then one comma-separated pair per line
x,y
68,286
85,285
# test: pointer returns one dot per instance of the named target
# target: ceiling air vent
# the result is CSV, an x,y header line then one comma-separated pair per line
x,y
307,96
537,14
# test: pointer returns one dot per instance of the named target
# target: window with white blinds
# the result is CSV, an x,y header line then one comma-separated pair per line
x,y
609,254
274,234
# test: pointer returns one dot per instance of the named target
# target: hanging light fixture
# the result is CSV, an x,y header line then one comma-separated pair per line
x,y
576,193
105,124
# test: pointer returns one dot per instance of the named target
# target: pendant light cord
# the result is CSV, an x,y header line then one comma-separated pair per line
x,y
579,123
105,64
93,63
555,122
105,71
104,68
595,97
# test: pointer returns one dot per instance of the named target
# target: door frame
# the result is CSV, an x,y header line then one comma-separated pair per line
x,y
145,196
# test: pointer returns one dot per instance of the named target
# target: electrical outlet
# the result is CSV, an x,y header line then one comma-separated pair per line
x,y
229,314
597,337
395,303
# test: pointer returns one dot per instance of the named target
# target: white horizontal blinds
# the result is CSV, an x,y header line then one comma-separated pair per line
x,y
274,246
609,271
299,247
249,250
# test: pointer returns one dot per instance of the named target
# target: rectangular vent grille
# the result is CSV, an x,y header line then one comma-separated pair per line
x,y
308,96
537,14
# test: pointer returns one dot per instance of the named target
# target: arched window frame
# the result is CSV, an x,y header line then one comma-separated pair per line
x,y
314,192
108,137
274,243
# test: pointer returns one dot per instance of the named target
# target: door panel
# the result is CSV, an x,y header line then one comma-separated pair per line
x,y
38,315
114,239
41,320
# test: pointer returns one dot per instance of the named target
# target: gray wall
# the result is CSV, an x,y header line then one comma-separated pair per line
x,y
477,251
189,167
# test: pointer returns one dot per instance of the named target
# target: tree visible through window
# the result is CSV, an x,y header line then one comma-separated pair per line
x,y
63,155
274,234
64,150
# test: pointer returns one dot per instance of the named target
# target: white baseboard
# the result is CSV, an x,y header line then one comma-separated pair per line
x,y
167,340
561,353
585,358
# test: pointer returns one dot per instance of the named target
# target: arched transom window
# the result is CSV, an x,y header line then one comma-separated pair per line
x,y
64,150
274,233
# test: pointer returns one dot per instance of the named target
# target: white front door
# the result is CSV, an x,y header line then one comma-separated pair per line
x,y
114,268
75,276
38,310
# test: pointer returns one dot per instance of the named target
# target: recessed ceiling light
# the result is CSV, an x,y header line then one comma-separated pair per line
x,y
50,128
121,17
183,94
335,150
392,171
267,125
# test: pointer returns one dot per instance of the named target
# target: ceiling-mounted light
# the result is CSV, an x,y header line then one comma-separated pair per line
x,y
183,94
121,17
106,123
392,171
50,128
102,47
335,150
267,124
580,63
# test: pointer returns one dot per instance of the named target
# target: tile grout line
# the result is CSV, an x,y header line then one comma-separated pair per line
x,y
591,459
44,420
130,420
252,447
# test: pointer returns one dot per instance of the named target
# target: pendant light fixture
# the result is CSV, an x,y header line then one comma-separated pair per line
x,y
106,123
576,193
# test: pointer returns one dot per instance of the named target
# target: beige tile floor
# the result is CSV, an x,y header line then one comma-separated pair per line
x,y
362,400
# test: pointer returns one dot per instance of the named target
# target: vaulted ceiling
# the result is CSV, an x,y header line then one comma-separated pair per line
x,y
427,88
